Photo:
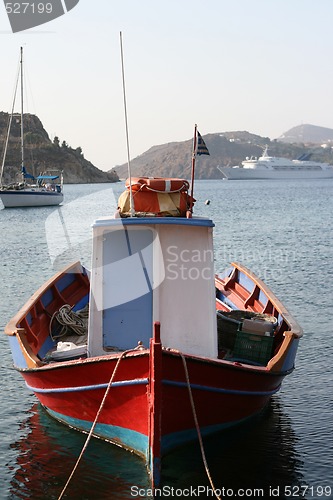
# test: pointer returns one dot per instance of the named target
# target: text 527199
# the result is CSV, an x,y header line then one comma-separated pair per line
x,y
28,7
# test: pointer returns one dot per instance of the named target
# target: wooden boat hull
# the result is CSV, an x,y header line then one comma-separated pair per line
x,y
148,409
127,406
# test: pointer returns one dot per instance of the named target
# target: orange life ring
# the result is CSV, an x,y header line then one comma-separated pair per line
x,y
151,202
158,184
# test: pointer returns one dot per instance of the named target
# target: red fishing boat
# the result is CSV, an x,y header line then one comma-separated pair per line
x,y
151,348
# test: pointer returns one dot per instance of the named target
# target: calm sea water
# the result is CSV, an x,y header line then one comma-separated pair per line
x,y
282,231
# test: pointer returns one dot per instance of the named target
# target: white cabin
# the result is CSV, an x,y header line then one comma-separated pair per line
x,y
152,269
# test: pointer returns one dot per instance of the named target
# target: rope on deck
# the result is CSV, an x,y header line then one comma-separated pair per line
x,y
68,322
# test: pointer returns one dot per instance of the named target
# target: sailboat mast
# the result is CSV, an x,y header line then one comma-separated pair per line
x,y
22,131
8,128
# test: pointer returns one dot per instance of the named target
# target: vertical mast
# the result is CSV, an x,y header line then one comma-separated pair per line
x,y
22,131
132,211
8,129
194,152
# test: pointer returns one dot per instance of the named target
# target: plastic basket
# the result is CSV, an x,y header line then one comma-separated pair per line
x,y
252,347
229,323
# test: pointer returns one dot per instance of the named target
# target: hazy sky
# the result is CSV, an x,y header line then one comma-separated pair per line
x,y
258,65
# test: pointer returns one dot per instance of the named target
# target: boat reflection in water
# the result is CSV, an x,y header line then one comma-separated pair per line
x,y
47,452
264,458
261,454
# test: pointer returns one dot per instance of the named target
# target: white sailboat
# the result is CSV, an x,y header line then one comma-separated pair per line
x,y
43,190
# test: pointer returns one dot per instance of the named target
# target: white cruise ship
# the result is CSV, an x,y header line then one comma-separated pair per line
x,y
272,167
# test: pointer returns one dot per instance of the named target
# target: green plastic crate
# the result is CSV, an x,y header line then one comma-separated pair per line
x,y
252,347
228,323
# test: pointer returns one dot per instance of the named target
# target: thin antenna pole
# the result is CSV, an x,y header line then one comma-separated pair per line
x,y
22,131
132,211
194,153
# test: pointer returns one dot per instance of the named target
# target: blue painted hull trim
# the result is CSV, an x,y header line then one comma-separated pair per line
x,y
144,381
137,442
123,383
18,358
146,221
125,438
221,390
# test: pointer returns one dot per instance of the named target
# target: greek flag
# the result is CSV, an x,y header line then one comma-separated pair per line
x,y
201,148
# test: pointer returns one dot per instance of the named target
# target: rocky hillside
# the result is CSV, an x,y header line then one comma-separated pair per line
x,y
227,148
307,134
41,153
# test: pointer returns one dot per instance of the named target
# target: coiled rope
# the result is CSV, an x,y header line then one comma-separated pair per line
x,y
68,322
198,427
